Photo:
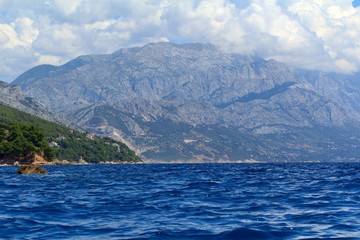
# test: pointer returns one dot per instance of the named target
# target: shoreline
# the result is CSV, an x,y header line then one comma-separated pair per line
x,y
60,163
176,163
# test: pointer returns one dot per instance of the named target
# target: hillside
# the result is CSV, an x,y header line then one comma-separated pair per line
x,y
192,102
14,97
67,144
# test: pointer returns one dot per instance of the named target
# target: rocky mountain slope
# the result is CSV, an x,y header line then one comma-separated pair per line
x,y
14,97
191,102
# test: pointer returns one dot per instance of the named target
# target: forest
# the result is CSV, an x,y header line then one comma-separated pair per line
x,y
22,134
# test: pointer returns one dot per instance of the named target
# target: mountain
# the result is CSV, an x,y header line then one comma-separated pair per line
x,y
13,96
24,138
192,102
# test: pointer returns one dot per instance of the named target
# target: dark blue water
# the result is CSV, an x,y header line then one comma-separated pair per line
x,y
204,201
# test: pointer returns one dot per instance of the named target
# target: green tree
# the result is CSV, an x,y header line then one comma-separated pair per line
x,y
20,140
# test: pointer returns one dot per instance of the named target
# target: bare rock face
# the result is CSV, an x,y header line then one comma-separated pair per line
x,y
192,101
31,169
14,97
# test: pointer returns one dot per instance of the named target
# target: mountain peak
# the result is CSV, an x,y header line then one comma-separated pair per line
x,y
166,49
186,46
194,101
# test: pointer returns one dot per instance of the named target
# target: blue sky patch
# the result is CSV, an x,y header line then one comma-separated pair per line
x,y
356,3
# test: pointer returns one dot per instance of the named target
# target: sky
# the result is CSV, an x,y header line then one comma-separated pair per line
x,y
310,34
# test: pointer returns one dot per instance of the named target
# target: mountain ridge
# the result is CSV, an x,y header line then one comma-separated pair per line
x,y
142,95
14,97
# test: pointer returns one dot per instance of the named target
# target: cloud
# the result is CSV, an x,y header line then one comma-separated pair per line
x,y
67,7
314,34
308,34
335,26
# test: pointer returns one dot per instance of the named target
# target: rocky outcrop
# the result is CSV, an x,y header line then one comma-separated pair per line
x,y
31,169
30,159
191,101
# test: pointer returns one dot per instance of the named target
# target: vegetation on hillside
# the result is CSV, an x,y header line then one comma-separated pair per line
x,y
22,133
21,140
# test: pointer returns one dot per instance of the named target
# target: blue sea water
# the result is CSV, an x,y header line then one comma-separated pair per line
x,y
200,201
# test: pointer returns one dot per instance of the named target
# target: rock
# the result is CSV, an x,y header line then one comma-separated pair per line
x,y
35,159
31,169
60,162
39,160
30,159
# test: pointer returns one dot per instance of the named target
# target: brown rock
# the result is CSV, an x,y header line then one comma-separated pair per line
x,y
32,159
39,160
31,169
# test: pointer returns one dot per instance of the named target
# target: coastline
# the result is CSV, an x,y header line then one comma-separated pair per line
x,y
66,162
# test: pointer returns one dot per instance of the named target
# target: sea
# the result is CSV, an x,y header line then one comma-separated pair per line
x,y
182,201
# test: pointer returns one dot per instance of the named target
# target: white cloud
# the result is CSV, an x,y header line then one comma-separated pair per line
x,y
314,34
67,7
25,30
345,65
60,40
8,37
335,25
17,33
48,59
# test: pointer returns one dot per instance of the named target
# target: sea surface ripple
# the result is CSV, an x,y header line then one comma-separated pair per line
x,y
183,201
